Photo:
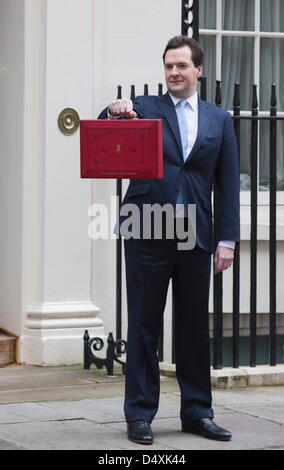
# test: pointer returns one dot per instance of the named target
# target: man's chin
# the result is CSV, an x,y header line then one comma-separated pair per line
x,y
176,91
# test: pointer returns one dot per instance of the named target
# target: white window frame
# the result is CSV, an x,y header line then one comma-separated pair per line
x,y
263,196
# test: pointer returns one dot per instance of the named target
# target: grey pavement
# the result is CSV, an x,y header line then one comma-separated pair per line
x,y
62,408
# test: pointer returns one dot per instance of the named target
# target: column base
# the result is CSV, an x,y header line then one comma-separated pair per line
x,y
53,334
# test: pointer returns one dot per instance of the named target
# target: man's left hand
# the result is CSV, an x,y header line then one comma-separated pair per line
x,y
223,258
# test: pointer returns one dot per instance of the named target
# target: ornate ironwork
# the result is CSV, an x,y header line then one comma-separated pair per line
x,y
114,350
190,18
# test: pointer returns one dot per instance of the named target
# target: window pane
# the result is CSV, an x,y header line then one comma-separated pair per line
x,y
264,149
245,169
208,43
238,15
207,14
271,71
237,66
272,15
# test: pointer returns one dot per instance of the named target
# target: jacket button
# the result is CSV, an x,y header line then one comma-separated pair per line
x,y
176,191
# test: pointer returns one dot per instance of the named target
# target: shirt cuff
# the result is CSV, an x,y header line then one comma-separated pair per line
x,y
111,115
227,244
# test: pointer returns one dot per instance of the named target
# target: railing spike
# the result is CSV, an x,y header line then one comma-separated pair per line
x,y
237,95
254,97
119,92
273,100
203,88
218,96
132,94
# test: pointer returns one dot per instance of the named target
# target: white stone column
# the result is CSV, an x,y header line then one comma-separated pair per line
x,y
57,298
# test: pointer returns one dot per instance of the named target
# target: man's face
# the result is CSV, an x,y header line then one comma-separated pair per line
x,y
180,72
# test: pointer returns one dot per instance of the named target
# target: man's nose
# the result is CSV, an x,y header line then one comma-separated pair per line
x,y
174,70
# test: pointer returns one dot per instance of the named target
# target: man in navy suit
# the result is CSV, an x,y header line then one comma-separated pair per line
x,y
199,148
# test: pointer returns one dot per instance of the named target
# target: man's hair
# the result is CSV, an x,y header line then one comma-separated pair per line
x,y
180,41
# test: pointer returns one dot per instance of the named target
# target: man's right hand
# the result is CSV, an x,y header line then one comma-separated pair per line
x,y
122,107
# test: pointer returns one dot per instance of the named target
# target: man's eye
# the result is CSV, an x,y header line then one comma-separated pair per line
x,y
168,67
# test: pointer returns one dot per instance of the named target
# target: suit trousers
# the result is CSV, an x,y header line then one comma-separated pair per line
x,y
150,264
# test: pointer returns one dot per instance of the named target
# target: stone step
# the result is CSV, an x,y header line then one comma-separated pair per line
x,y
7,349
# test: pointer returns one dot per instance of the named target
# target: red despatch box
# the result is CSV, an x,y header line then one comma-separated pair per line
x,y
121,148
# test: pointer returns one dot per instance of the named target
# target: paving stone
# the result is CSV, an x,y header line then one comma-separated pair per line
x,y
40,379
67,392
4,445
99,410
249,395
248,433
262,410
71,392
70,435
27,412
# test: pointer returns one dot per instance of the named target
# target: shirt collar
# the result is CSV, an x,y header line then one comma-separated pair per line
x,y
192,100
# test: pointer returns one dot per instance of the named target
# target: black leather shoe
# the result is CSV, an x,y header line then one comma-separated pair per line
x,y
140,431
207,428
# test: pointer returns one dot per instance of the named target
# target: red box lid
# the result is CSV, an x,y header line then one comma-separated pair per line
x,y
121,148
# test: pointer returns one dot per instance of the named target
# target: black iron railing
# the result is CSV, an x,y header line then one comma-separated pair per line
x,y
254,118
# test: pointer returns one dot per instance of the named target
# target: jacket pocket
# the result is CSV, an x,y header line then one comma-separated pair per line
x,y
213,137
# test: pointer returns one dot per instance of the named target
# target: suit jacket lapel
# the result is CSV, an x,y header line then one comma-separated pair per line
x,y
203,124
167,106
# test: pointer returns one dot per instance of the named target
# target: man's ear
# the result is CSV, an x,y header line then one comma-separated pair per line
x,y
199,70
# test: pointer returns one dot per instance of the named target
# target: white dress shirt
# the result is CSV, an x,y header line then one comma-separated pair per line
x,y
191,113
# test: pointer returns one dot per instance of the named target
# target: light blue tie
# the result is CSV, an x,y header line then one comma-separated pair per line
x,y
184,137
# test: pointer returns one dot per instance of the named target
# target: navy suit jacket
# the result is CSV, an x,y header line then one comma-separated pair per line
x,y
213,158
